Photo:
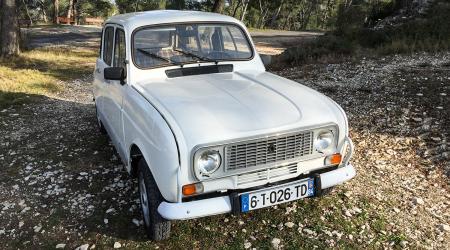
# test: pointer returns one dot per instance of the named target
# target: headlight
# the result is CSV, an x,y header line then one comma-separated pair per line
x,y
324,142
208,162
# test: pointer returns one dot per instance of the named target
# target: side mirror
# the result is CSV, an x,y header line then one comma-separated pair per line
x,y
266,59
115,73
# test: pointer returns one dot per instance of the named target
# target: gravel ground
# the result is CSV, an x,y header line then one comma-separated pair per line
x,y
62,185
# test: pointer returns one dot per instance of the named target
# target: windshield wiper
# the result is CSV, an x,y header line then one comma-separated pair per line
x,y
206,59
160,57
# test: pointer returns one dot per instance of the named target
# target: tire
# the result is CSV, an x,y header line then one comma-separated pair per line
x,y
99,122
156,227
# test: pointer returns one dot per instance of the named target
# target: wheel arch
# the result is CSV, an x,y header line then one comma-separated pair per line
x,y
135,156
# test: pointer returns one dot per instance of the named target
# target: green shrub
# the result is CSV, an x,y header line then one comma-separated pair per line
x,y
324,46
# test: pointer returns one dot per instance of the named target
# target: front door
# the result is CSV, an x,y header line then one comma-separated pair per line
x,y
103,61
116,90
110,93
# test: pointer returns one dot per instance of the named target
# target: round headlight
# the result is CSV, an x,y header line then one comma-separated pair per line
x,y
324,141
208,162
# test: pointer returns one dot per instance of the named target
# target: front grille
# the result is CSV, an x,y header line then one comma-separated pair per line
x,y
268,150
268,174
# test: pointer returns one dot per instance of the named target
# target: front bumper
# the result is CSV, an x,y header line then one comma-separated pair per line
x,y
223,204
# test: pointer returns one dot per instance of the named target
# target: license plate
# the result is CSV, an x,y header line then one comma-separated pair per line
x,y
277,195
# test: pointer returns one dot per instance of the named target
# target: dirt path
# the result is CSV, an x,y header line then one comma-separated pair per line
x,y
269,42
61,182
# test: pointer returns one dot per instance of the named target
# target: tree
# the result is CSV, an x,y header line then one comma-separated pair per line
x,y
69,11
218,6
55,11
126,6
9,29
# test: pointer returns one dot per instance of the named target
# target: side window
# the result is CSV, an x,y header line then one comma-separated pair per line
x,y
119,49
108,45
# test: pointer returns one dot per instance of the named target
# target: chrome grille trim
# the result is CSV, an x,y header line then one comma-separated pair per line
x,y
270,150
268,174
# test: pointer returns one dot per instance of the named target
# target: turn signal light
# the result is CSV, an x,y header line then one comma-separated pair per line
x,y
190,189
333,159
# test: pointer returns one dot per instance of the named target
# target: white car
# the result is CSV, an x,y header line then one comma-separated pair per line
x,y
190,108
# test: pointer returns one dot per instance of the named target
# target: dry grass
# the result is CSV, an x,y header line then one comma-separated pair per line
x,y
41,72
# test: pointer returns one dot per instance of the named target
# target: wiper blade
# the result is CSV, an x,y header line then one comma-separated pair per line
x,y
203,58
160,57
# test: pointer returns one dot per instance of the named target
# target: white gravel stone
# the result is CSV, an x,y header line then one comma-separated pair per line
x,y
444,228
136,222
403,243
37,229
247,245
289,224
117,244
60,246
83,247
276,243
418,201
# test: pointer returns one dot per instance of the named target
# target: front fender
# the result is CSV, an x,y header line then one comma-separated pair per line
x,y
146,128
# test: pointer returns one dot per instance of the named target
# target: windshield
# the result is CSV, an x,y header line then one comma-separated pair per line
x,y
186,43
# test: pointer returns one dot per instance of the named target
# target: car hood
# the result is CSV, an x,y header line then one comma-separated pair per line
x,y
212,108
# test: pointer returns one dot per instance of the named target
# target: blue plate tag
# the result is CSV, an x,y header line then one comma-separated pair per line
x,y
244,203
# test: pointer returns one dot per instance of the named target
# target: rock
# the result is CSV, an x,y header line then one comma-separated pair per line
x,y
117,245
136,222
418,201
403,243
276,243
21,223
240,223
247,245
308,231
444,227
83,247
357,210
37,228
348,214
289,224
105,221
61,245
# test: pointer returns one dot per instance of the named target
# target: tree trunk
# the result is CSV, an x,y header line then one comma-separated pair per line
x,y
69,11
44,14
9,32
218,6
286,21
28,12
244,11
55,11
236,8
75,12
275,15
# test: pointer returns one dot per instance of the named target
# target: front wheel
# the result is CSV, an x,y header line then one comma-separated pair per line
x,y
156,227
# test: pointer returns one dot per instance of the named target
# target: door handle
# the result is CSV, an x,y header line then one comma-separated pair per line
x,y
98,70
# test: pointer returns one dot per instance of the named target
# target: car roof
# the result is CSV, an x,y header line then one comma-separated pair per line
x,y
138,19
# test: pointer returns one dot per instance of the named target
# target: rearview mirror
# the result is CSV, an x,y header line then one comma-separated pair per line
x,y
115,73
